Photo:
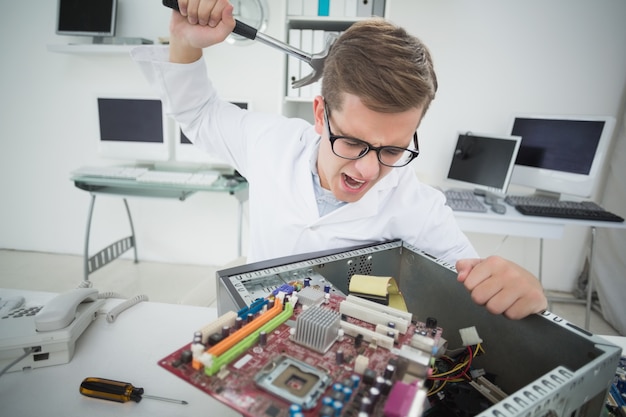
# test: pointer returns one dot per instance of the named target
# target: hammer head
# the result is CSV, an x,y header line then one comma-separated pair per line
x,y
317,63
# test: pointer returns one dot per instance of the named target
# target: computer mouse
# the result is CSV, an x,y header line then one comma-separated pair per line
x,y
498,208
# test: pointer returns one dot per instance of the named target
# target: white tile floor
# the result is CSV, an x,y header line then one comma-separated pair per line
x,y
168,283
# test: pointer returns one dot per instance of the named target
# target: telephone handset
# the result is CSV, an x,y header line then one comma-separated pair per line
x,y
60,312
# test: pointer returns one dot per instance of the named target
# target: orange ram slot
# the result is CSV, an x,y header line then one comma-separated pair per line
x,y
246,330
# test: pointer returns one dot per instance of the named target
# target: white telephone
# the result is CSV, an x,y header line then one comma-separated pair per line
x,y
45,335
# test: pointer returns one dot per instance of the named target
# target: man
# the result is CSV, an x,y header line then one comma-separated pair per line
x,y
345,180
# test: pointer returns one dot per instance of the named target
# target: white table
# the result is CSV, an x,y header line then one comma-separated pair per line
x,y
126,350
513,223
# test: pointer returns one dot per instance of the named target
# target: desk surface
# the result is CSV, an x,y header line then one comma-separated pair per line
x,y
516,224
126,350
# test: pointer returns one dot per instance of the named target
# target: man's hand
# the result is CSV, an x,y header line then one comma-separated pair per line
x,y
198,25
502,286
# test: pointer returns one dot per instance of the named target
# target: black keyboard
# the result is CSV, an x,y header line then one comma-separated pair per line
x,y
568,213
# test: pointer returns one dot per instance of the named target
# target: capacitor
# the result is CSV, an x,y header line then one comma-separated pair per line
x,y
431,322
374,394
327,288
197,337
358,340
391,325
339,357
386,389
389,370
249,317
225,331
327,400
294,409
327,411
307,282
337,387
347,393
238,323
355,381
379,382
338,407
366,405
262,338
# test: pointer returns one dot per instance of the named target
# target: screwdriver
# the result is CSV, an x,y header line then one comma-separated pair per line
x,y
121,392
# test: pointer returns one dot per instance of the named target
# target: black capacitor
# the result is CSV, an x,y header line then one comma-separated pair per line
x,y
379,382
389,370
238,323
386,389
262,338
225,331
374,394
250,317
197,337
366,405
431,322
339,358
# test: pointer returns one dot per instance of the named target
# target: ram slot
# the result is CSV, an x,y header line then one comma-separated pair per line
x,y
249,341
227,319
379,307
236,337
371,316
368,335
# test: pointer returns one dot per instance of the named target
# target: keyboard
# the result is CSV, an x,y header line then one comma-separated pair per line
x,y
464,200
129,173
206,178
568,213
531,200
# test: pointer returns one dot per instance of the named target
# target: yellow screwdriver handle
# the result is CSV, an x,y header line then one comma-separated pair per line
x,y
108,389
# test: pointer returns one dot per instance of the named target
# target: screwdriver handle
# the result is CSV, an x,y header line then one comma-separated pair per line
x,y
108,389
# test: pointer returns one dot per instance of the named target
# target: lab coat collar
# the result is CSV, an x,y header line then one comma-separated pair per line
x,y
367,206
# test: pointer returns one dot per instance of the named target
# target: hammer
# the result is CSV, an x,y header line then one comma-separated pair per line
x,y
315,60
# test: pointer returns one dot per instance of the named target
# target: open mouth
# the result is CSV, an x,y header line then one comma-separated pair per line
x,y
352,183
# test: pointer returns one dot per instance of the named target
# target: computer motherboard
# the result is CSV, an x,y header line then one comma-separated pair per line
x,y
311,351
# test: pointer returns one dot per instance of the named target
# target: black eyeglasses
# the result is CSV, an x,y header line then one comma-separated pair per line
x,y
352,148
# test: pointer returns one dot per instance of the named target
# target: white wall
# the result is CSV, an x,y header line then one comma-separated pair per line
x,y
493,58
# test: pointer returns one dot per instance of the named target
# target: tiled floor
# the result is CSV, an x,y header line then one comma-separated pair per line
x,y
168,283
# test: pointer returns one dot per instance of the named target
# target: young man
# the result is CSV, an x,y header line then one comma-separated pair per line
x,y
345,180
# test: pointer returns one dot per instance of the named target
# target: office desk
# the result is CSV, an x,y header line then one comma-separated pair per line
x,y
132,188
127,350
513,223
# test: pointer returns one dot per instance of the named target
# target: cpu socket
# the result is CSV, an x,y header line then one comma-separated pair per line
x,y
294,381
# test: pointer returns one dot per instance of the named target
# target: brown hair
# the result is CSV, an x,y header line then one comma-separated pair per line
x,y
388,69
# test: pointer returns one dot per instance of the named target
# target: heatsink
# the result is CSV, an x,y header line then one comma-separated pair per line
x,y
317,328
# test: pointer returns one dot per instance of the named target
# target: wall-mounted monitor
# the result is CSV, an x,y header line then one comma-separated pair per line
x,y
483,161
186,151
95,18
561,154
133,128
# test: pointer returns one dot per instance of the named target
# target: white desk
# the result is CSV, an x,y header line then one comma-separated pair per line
x,y
126,350
513,223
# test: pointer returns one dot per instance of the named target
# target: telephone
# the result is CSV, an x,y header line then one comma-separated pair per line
x,y
35,336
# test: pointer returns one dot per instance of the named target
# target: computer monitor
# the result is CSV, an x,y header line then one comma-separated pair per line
x,y
95,18
186,151
484,161
561,154
133,128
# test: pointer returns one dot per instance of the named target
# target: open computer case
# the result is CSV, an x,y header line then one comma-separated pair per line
x,y
546,365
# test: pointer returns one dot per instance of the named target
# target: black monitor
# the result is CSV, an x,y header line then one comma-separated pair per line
x,y
95,18
133,128
484,161
561,154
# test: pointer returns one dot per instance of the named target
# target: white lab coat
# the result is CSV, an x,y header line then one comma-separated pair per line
x,y
274,153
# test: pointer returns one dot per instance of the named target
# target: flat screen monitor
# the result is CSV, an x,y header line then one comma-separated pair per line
x,y
133,128
95,18
484,161
186,151
561,154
